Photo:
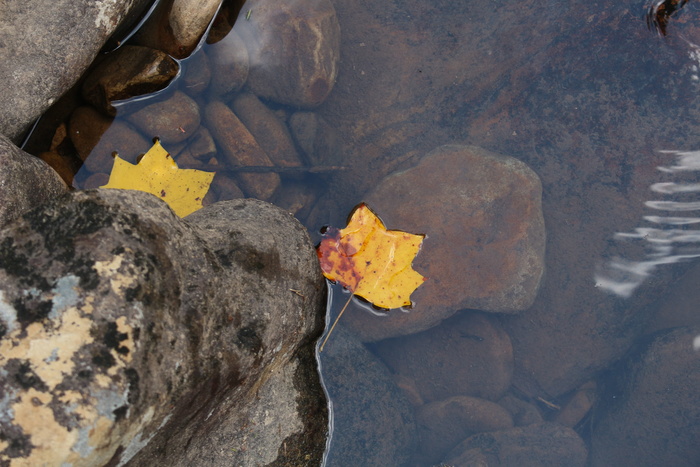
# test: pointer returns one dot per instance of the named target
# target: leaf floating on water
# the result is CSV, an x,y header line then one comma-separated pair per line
x,y
371,261
158,174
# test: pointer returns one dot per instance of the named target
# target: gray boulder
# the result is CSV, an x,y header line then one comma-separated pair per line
x,y
649,411
124,326
46,46
373,423
25,181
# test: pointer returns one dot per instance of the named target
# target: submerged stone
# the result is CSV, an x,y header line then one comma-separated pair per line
x,y
649,409
542,444
482,215
129,72
294,50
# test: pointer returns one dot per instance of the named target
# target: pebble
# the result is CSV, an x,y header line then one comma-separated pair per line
x,y
467,355
269,131
188,20
172,120
239,147
294,49
543,444
197,75
128,72
225,187
444,424
229,64
319,142
97,139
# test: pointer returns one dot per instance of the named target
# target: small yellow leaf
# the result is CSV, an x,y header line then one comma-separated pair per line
x,y
158,174
371,261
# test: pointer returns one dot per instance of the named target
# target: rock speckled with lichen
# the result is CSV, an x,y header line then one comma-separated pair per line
x,y
123,326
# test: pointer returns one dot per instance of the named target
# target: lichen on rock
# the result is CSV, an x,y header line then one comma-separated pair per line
x,y
127,333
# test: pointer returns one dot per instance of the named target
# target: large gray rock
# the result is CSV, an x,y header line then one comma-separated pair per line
x,y
124,325
46,46
373,423
649,413
25,181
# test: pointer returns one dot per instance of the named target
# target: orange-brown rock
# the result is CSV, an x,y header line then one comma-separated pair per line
x,y
172,120
294,50
269,131
485,241
128,72
239,147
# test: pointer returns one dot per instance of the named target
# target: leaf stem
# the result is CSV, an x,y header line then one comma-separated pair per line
x,y
334,323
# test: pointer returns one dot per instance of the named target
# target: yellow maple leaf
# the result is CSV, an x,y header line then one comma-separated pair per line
x,y
371,261
158,174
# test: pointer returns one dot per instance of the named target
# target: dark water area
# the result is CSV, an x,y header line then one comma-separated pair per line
x,y
601,367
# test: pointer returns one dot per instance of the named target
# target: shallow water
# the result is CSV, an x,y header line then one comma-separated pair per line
x,y
604,110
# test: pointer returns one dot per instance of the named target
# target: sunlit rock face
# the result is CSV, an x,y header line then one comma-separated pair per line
x,y
124,326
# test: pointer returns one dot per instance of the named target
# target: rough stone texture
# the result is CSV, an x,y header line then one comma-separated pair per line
x,y
294,50
173,120
649,412
25,181
444,424
128,72
372,421
485,241
469,354
541,445
47,45
123,324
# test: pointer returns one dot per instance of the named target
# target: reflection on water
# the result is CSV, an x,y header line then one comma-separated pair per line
x,y
671,240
